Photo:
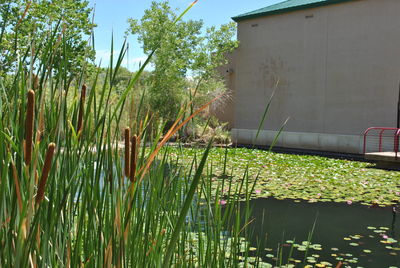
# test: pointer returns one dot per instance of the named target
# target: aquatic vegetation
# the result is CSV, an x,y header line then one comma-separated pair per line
x,y
78,189
303,177
336,255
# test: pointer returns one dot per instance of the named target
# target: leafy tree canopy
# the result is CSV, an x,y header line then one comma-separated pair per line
x,y
32,30
181,49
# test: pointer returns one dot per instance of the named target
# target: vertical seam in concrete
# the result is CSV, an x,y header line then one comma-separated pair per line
x,y
326,68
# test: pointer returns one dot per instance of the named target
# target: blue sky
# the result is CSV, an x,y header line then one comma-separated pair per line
x,y
111,16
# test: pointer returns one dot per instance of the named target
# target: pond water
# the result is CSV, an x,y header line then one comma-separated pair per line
x,y
356,235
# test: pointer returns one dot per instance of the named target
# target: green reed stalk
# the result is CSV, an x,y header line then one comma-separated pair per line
x,y
90,217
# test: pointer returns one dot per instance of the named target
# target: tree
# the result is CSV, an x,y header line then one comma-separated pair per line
x,y
38,30
180,49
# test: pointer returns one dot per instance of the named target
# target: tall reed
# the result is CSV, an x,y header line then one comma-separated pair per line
x,y
127,148
29,123
85,214
81,108
45,172
133,159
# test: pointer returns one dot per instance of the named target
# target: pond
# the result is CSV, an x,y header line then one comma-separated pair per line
x,y
306,177
357,235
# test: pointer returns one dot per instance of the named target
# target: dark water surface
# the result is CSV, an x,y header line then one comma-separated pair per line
x,y
357,235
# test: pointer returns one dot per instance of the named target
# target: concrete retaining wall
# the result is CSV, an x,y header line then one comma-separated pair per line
x,y
301,140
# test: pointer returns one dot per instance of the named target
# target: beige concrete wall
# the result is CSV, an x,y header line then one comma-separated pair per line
x,y
224,109
336,69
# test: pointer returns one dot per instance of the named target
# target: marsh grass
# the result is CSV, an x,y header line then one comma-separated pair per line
x,y
86,202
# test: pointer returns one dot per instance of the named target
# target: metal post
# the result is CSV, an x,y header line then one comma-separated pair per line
x,y
398,123
380,139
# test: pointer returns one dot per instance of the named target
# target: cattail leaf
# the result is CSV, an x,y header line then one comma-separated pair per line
x,y
185,208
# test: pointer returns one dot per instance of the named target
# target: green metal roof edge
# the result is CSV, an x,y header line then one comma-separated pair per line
x,y
285,10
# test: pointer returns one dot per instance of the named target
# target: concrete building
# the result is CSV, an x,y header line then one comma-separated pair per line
x,y
334,66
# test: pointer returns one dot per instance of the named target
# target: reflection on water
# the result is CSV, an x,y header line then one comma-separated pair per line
x,y
354,234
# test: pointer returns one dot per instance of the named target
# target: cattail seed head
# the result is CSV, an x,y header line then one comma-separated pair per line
x,y
81,108
45,172
133,159
127,148
30,113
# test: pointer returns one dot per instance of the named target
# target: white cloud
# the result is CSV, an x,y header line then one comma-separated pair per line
x,y
103,56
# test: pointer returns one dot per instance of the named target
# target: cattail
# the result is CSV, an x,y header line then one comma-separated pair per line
x,y
127,145
133,158
81,108
45,172
30,113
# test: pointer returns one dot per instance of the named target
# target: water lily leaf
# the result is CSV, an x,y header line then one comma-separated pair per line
x,y
265,265
302,248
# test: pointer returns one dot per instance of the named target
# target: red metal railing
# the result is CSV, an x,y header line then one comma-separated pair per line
x,y
384,137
